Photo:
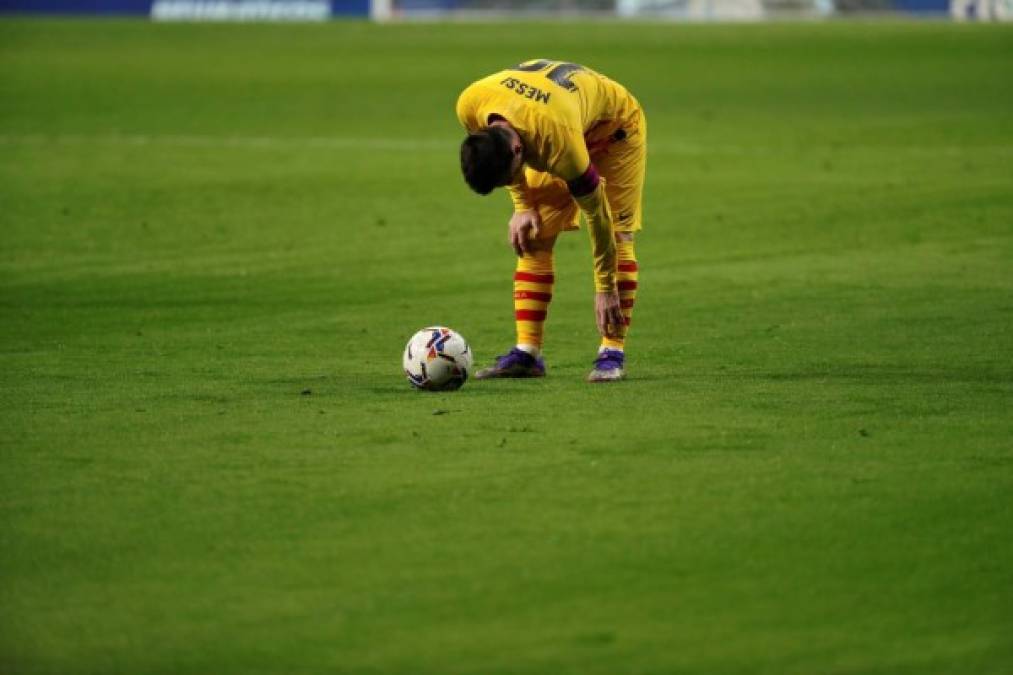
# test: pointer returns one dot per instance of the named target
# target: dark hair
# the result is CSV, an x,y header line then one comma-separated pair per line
x,y
486,159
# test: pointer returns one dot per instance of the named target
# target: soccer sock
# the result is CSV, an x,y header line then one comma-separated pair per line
x,y
626,280
532,294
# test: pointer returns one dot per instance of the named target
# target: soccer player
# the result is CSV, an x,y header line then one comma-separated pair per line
x,y
563,140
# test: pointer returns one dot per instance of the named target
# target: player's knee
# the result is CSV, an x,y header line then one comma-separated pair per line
x,y
544,244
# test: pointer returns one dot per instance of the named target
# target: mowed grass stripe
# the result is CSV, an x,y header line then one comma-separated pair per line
x,y
412,145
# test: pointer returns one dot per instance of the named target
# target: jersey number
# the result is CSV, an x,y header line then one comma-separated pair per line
x,y
559,73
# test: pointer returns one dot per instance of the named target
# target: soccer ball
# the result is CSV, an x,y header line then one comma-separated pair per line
x,y
437,359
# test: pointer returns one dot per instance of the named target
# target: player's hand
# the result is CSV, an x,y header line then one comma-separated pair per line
x,y
608,313
524,225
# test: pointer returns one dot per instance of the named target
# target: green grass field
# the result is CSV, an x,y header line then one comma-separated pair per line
x,y
216,240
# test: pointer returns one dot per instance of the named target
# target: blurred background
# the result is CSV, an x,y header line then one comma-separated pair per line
x,y
387,10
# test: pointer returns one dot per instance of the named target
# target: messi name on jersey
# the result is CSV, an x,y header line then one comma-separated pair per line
x,y
526,90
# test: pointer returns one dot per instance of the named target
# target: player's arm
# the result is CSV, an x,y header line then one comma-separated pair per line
x,y
588,189
573,164
519,195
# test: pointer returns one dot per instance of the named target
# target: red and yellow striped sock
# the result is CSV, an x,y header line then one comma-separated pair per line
x,y
532,293
626,279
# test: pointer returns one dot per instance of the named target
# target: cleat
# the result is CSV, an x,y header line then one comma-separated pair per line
x,y
608,367
515,363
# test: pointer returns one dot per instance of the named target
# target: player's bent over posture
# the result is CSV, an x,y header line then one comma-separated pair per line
x,y
563,140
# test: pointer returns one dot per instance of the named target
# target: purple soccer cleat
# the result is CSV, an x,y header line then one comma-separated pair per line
x,y
515,363
608,367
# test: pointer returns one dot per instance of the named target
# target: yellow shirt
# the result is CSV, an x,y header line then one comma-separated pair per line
x,y
558,109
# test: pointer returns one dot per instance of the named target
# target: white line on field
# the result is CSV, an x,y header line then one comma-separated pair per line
x,y
418,145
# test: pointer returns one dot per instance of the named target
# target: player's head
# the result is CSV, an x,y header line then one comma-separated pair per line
x,y
490,158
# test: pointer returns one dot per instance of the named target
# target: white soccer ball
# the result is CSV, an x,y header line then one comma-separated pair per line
x,y
437,359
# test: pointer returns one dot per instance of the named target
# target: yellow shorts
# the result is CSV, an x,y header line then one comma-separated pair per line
x,y
621,161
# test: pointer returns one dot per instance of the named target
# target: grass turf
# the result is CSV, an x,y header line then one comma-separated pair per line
x,y
216,240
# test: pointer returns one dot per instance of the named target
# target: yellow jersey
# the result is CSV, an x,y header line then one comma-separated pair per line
x,y
560,110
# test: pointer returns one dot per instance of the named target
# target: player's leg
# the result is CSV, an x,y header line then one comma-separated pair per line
x,y
534,278
623,164
627,280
